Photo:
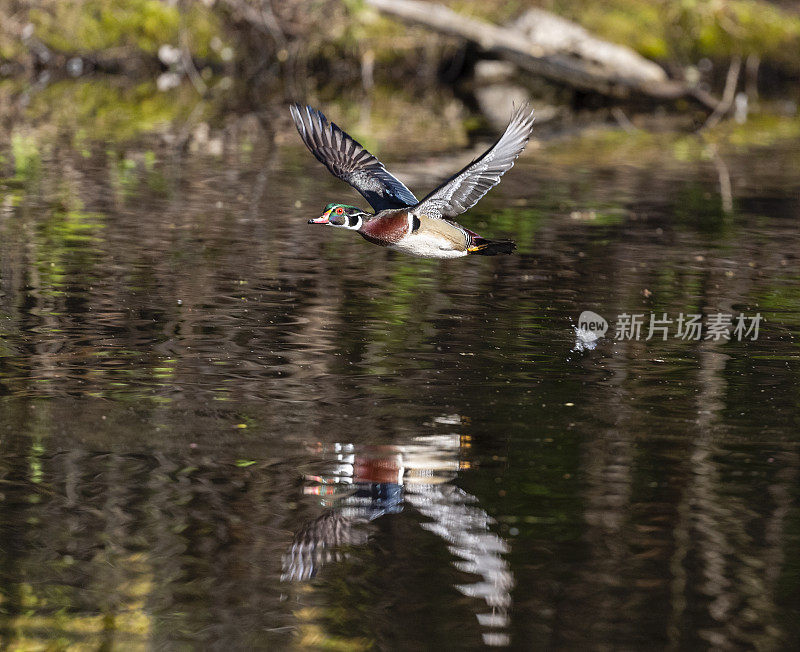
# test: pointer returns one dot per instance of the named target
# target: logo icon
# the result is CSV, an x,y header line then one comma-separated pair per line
x,y
591,322
591,327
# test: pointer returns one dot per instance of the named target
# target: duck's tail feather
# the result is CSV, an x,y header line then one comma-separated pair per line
x,y
484,247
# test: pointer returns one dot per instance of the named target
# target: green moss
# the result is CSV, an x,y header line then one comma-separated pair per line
x,y
761,130
361,29
102,25
98,110
675,30
10,49
681,30
607,146
689,29
27,161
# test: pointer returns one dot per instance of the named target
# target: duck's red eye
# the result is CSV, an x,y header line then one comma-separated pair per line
x,y
339,211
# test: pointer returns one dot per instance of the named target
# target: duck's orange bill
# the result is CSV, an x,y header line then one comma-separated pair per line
x,y
322,219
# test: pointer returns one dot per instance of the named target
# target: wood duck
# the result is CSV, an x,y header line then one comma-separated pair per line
x,y
420,228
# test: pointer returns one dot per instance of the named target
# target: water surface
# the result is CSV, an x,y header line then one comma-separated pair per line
x,y
222,427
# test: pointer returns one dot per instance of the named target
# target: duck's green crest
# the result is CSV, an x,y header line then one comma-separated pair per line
x,y
334,205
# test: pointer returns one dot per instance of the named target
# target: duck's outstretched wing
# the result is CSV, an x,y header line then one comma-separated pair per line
x,y
463,190
348,160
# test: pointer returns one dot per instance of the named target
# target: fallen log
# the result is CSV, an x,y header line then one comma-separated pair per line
x,y
554,48
558,36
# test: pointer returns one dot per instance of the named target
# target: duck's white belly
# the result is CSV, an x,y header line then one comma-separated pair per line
x,y
428,245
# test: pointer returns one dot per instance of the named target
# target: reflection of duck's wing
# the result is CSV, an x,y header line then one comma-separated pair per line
x,y
320,542
347,159
465,528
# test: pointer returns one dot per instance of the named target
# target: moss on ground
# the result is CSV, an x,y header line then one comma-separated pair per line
x,y
680,31
673,30
92,26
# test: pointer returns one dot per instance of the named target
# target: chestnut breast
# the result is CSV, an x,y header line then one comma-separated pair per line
x,y
386,228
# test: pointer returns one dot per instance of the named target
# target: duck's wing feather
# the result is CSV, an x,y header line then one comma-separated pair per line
x,y
347,159
464,189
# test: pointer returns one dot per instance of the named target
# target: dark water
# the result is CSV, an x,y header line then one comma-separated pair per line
x,y
223,428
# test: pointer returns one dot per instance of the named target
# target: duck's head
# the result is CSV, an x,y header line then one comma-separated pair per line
x,y
350,217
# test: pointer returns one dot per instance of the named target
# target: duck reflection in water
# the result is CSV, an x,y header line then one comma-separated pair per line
x,y
364,483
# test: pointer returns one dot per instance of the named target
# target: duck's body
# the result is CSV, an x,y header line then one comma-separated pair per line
x,y
416,234
401,222
430,239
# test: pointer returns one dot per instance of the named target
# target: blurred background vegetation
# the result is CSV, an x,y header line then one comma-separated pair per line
x,y
146,80
130,32
257,51
208,75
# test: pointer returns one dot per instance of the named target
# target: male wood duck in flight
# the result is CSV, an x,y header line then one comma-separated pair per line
x,y
420,228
